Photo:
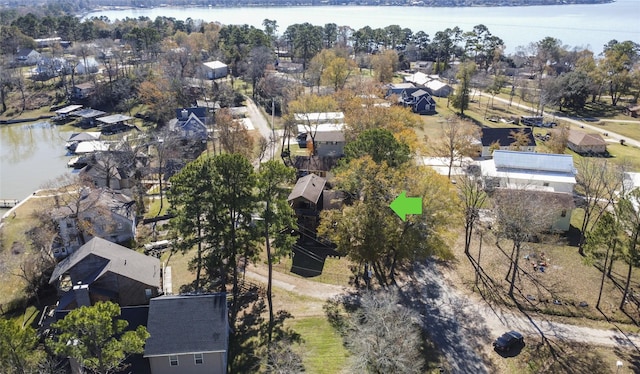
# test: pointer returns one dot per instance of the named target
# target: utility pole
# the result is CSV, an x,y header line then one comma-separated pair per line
x,y
272,143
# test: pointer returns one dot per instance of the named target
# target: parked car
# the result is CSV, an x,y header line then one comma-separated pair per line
x,y
508,340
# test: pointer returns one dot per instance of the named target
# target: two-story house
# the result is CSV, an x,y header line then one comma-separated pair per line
x,y
101,270
97,212
189,334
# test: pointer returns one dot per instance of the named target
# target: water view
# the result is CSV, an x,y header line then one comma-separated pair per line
x,y
30,156
588,26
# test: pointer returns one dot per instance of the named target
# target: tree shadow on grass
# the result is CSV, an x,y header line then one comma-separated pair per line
x,y
248,339
453,327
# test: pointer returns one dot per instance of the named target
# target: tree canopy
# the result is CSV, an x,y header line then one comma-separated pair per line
x,y
97,338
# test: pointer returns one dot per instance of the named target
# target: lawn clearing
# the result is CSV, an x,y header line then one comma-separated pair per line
x,y
322,348
335,271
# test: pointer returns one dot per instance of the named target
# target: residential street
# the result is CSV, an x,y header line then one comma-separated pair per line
x,y
264,127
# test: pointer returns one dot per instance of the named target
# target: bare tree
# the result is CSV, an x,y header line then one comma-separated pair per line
x,y
597,181
473,198
383,336
459,141
234,137
282,359
521,216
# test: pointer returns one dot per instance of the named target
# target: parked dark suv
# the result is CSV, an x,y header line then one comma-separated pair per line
x,y
508,340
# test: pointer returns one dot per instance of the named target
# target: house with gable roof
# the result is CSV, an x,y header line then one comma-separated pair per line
x,y
419,100
189,334
541,173
190,123
103,213
101,270
27,56
584,143
306,200
503,138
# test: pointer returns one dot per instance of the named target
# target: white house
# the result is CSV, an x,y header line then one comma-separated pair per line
x,y
551,174
215,69
534,171
87,66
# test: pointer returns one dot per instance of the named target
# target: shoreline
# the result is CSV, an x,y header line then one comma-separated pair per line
x,y
472,4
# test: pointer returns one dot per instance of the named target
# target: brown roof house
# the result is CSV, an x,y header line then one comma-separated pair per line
x,y
82,91
583,143
101,270
189,334
306,200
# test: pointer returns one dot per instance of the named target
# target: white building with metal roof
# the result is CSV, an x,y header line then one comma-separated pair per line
x,y
529,170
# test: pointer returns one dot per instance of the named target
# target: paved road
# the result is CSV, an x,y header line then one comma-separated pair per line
x,y
264,127
611,136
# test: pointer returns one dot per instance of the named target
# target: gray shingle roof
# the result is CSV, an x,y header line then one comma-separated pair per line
x,y
308,187
503,135
187,324
122,260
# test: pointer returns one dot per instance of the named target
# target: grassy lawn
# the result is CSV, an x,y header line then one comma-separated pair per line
x,y
322,349
566,357
627,129
15,248
568,278
335,271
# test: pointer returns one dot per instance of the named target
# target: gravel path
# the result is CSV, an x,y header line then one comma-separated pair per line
x,y
438,292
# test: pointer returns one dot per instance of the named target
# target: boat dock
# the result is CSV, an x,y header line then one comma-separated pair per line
x,y
8,203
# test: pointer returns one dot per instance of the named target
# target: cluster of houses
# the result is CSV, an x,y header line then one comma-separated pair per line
x,y
95,230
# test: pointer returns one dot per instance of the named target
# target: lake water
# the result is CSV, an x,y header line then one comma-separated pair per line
x,y
586,26
30,156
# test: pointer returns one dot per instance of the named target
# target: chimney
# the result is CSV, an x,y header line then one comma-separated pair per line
x,y
184,113
81,292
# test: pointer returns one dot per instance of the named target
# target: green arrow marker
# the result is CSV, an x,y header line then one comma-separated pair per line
x,y
404,205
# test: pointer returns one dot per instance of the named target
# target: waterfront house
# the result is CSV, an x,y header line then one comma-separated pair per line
x,y
92,213
101,270
82,91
